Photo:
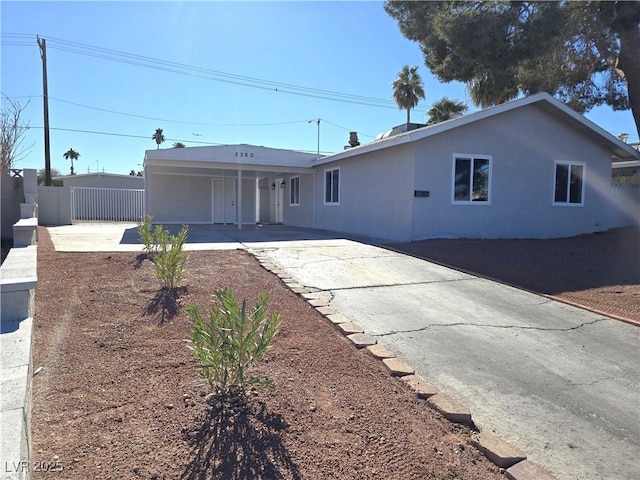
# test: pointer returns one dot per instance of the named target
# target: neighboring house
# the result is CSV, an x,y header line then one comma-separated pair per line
x,y
102,180
531,168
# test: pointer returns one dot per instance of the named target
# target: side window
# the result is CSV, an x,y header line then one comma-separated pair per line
x,y
569,183
294,192
332,187
471,179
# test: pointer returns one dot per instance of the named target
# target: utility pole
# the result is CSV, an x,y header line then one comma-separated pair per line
x,y
42,43
317,120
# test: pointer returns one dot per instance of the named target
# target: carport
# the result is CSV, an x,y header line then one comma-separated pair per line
x,y
227,184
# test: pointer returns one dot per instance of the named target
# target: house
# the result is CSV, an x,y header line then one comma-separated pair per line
x,y
531,168
102,180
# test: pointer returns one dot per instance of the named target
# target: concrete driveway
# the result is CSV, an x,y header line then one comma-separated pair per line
x,y
560,383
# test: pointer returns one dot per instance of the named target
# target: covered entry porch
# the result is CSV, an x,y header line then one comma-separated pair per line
x,y
228,185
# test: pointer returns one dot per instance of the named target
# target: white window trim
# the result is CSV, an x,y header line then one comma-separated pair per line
x,y
553,186
291,187
324,190
453,178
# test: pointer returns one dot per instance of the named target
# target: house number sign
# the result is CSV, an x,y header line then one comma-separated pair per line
x,y
244,155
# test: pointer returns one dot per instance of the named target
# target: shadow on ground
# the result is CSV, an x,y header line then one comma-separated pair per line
x,y
240,444
549,267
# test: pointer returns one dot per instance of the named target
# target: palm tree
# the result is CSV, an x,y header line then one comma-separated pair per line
x,y
445,109
72,155
158,137
178,145
408,89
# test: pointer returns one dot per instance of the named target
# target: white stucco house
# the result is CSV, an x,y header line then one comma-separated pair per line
x,y
531,168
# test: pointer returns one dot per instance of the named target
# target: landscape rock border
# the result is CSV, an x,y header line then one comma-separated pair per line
x,y
500,453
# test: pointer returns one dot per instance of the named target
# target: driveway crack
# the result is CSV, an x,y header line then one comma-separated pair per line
x,y
508,327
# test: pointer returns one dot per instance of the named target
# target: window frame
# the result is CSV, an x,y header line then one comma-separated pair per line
x,y
472,157
570,164
331,202
292,191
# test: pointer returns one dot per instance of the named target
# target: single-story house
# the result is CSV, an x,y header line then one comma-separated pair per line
x,y
530,168
102,180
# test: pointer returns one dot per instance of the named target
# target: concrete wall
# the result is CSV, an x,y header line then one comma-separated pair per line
x,y
54,206
376,195
102,180
524,144
12,195
18,281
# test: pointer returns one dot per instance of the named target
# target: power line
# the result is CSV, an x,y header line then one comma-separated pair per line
x,y
188,70
146,137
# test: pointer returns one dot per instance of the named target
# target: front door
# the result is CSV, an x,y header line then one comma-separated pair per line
x,y
279,196
224,200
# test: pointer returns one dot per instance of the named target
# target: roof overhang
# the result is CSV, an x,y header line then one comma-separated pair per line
x,y
620,150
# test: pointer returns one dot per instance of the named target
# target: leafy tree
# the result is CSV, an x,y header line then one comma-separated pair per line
x,y
178,145
584,53
158,137
42,177
445,109
408,89
72,155
12,129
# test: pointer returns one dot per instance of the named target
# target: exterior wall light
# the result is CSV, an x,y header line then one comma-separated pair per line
x,y
283,184
273,186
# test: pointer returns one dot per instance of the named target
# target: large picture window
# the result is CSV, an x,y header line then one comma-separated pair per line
x,y
569,183
332,186
471,179
294,192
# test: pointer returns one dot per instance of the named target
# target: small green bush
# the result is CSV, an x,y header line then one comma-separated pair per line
x,y
146,234
229,340
170,260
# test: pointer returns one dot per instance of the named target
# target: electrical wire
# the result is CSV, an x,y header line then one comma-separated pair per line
x,y
215,75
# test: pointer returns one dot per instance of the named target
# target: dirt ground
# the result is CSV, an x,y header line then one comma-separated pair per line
x,y
600,271
119,395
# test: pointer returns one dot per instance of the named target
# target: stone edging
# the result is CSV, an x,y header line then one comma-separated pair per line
x,y
503,455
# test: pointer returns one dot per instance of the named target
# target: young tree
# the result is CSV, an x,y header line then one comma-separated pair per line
x,y
445,109
12,130
408,89
158,137
583,53
42,178
72,155
178,145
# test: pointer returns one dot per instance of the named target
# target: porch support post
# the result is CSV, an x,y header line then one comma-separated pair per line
x,y
239,202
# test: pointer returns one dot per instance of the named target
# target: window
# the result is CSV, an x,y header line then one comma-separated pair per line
x,y
332,186
569,184
294,191
471,179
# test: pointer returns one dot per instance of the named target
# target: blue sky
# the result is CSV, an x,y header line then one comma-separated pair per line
x,y
353,49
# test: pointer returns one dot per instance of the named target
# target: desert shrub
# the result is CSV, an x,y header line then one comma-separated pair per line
x,y
146,234
152,238
170,261
228,340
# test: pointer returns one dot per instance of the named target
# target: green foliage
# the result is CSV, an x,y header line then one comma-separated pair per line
x,y
170,260
408,89
146,235
445,109
229,340
584,53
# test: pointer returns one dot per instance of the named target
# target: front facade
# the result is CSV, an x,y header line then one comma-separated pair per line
x,y
532,168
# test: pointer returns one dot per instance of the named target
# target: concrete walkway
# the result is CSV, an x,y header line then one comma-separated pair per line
x,y
557,382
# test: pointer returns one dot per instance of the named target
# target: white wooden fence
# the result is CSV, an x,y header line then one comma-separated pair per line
x,y
106,204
